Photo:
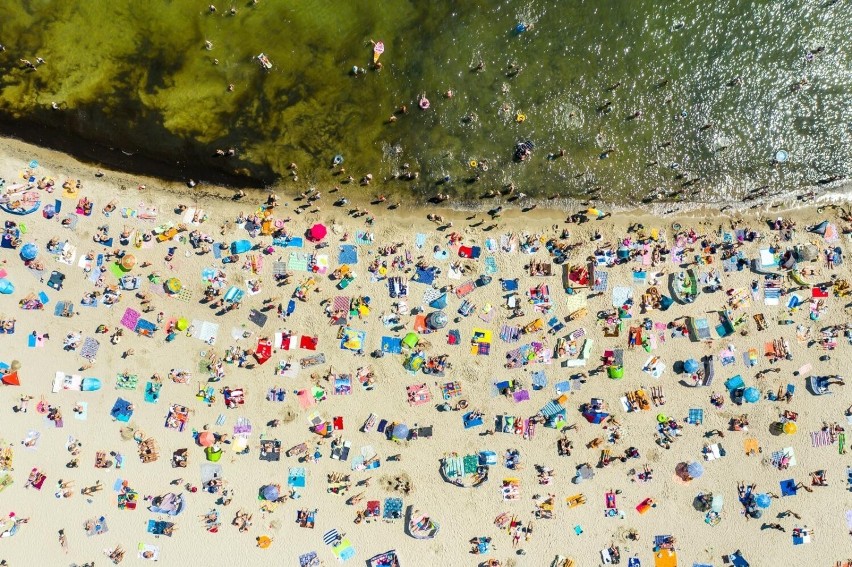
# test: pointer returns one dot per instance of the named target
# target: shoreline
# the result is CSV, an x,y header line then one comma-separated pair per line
x,y
157,172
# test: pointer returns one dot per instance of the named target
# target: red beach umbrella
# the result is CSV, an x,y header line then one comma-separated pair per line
x,y
317,232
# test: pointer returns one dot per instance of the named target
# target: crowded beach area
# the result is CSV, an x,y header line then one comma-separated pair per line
x,y
201,376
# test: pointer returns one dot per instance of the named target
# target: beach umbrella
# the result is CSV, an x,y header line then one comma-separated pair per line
x,y
585,472
690,366
182,324
763,500
751,395
16,365
437,320
317,232
264,541
206,439
790,428
400,432
173,285
270,492
127,262
695,469
29,251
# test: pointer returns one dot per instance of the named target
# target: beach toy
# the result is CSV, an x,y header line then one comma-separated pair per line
x,y
29,251
424,103
473,163
763,500
337,160
206,439
781,156
90,385
173,285
790,428
378,49
182,324
6,287
751,395
521,28
519,117
661,418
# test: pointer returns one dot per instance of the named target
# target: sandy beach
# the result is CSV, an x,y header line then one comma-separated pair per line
x,y
528,370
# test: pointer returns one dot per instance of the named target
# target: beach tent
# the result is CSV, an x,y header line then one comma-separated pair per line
x,y
440,302
6,287
410,340
595,417
11,379
690,366
240,246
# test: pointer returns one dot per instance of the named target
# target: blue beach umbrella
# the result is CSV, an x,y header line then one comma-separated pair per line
x,y
690,365
270,492
751,395
763,500
29,251
695,469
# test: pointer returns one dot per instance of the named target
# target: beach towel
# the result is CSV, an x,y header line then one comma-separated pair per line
x,y
90,348
490,265
297,262
820,438
601,281
130,318
620,295
348,254
420,240
364,238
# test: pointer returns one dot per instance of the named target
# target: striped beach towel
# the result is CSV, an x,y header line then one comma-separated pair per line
x,y
820,438
331,537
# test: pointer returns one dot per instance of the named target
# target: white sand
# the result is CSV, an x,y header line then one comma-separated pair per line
x,y
462,513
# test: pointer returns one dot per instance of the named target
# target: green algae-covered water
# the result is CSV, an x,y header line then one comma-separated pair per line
x,y
721,87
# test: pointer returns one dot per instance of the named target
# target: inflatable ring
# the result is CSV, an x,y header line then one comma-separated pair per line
x,y
611,512
661,418
473,163
520,117
424,103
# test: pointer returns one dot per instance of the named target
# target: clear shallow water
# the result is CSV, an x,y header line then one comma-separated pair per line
x,y
137,76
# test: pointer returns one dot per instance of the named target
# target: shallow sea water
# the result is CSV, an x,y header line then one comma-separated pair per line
x,y
137,76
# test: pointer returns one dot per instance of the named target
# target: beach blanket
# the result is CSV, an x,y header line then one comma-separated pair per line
x,y
297,262
130,318
490,265
820,438
601,281
90,348
420,240
364,238
620,295
348,254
